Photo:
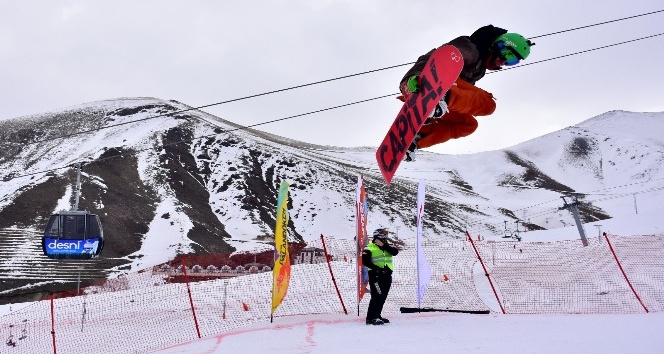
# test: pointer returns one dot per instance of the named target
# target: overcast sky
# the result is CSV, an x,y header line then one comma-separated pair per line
x,y
55,54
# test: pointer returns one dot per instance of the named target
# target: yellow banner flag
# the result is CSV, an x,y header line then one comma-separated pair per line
x,y
281,271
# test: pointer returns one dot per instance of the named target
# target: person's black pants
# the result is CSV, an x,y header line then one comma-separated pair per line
x,y
380,287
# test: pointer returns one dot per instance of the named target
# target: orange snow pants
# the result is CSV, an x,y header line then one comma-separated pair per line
x,y
465,102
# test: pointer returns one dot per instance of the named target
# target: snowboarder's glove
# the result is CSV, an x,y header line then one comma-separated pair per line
x,y
413,84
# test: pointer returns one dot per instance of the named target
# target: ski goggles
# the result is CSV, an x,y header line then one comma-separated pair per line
x,y
508,56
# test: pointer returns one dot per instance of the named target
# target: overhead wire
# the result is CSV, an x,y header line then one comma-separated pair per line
x,y
580,52
198,108
320,82
550,211
598,24
314,83
134,152
557,211
595,192
284,118
364,73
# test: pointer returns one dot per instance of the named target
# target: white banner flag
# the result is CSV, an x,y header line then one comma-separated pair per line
x,y
423,270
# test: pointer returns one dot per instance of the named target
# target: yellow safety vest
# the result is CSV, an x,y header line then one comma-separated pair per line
x,y
379,257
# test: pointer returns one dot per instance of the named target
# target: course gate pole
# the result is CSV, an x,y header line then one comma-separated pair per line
x,y
486,272
327,259
55,351
623,272
191,300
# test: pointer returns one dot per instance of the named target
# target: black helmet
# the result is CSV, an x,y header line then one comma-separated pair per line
x,y
381,234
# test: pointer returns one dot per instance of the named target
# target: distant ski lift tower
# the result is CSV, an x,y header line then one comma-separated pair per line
x,y
573,208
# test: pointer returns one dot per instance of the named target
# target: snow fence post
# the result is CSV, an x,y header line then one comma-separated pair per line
x,y
623,272
327,258
55,351
191,300
486,272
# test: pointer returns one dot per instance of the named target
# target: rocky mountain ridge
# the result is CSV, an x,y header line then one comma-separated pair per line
x,y
160,172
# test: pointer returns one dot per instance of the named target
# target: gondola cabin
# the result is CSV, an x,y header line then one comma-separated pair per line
x,y
73,235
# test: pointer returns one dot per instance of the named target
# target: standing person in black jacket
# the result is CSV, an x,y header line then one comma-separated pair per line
x,y
377,256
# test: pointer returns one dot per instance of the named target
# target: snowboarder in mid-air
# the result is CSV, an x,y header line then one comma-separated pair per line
x,y
488,48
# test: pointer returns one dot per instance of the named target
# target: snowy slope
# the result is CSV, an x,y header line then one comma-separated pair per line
x,y
176,192
169,180
449,333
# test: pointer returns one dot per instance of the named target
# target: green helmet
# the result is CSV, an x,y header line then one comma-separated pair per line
x,y
516,42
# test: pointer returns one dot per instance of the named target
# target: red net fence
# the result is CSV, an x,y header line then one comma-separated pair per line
x,y
565,277
152,309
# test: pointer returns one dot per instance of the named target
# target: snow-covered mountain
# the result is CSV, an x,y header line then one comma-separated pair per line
x,y
168,179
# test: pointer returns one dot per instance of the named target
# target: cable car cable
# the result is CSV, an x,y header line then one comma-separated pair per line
x,y
577,53
9,177
597,24
198,137
348,76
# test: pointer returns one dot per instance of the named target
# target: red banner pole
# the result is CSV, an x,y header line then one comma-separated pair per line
x,y
327,259
191,300
486,272
623,272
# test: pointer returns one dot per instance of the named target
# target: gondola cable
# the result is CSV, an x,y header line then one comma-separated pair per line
x,y
9,177
368,72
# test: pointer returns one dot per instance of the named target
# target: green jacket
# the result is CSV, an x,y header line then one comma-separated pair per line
x,y
375,258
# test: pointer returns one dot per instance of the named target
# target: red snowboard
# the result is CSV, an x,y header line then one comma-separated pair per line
x,y
438,75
